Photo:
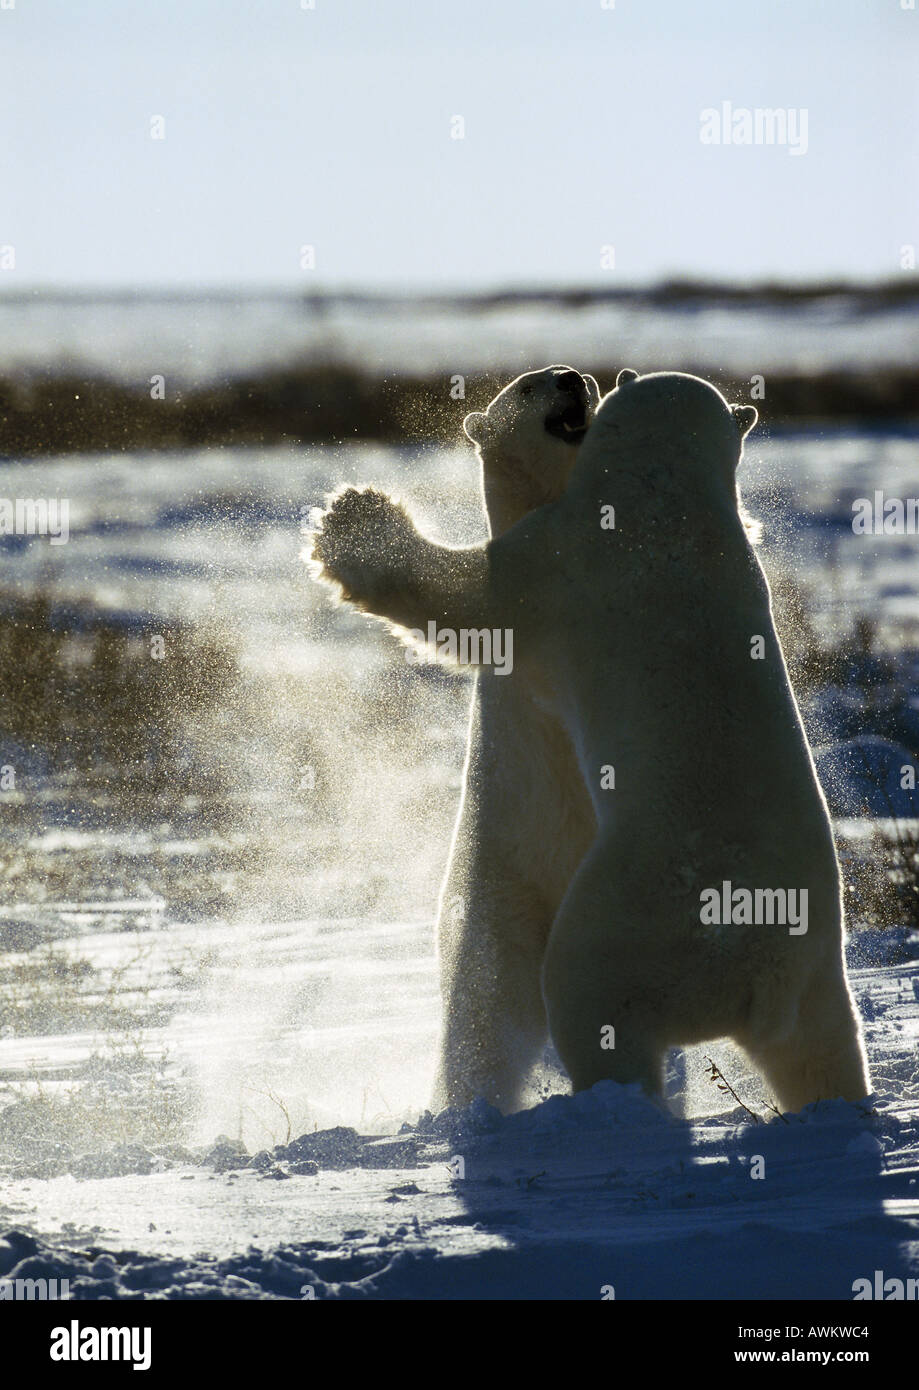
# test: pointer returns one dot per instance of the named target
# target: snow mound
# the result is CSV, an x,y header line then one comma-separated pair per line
x,y
862,777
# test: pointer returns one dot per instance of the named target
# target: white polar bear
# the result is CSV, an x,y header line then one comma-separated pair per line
x,y
525,820
653,638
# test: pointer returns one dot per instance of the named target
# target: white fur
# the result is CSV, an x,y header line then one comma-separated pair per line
x,y
525,819
639,640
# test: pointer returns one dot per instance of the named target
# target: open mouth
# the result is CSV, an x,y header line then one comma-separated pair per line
x,y
569,423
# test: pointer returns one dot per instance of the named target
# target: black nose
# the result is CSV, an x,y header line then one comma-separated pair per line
x,y
570,381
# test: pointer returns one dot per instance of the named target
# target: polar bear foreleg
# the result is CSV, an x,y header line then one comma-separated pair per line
x,y
491,941
369,545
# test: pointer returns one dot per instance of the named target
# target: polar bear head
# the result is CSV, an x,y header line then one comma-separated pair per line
x,y
675,408
528,440
648,422
672,442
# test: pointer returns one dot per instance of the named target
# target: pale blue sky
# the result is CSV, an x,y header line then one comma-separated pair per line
x,y
332,127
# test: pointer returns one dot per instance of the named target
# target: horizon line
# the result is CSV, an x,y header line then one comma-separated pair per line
x,y
892,286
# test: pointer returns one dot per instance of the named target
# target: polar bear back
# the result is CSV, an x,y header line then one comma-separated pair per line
x,y
655,635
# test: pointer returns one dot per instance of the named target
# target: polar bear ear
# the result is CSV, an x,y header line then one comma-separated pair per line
x,y
593,389
745,416
476,426
625,376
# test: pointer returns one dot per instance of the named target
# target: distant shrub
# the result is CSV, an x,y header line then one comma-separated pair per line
x,y
87,691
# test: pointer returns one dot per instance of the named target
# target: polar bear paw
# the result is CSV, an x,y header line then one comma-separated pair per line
x,y
364,542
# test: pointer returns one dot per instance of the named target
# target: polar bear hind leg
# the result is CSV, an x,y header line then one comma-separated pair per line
x,y
602,994
823,1057
491,941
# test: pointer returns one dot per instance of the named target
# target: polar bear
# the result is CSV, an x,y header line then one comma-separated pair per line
x,y
709,901
525,820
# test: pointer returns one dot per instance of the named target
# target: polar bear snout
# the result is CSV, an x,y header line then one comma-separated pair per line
x,y
573,382
568,420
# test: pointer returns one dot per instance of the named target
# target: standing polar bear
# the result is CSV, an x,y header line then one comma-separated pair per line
x,y
525,820
709,901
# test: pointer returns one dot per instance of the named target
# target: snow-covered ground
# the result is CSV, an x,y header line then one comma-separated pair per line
x,y
293,1009
557,1202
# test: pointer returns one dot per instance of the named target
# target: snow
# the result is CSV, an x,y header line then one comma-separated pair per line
x,y
299,994
863,776
578,1192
